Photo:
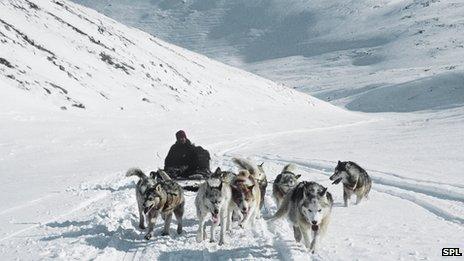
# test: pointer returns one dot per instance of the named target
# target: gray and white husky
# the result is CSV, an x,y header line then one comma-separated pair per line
x,y
355,180
214,199
257,171
307,207
142,186
284,182
158,196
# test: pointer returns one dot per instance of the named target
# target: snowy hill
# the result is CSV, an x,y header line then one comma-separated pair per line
x,y
77,59
83,98
339,51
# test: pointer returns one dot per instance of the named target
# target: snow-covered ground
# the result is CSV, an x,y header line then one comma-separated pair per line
x,y
79,205
64,194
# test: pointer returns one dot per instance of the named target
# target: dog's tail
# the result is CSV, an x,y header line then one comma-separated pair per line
x,y
136,172
289,168
246,164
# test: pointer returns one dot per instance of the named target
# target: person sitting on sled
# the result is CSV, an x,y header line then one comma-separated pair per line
x,y
185,160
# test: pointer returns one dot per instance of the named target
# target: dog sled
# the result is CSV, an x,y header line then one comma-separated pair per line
x,y
190,181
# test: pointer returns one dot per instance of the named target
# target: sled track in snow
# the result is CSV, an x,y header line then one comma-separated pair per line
x,y
426,205
82,205
407,190
239,143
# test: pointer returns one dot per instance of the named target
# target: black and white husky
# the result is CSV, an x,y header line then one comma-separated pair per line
x,y
141,188
284,182
355,180
308,207
214,200
158,195
257,172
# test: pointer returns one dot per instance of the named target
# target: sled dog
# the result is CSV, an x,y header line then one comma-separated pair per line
x,y
307,207
355,180
214,199
284,182
161,197
246,197
258,174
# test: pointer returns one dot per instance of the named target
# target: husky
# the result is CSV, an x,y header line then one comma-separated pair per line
x,y
246,197
257,171
142,186
355,180
284,182
158,196
308,207
214,198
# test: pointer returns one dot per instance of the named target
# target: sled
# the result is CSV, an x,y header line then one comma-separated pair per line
x,y
189,183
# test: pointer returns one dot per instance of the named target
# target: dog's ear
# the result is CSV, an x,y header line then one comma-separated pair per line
x,y
298,192
251,187
298,176
164,175
261,165
277,180
339,163
217,172
322,192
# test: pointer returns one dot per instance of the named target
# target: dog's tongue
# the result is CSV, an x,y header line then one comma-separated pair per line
x,y
314,227
214,218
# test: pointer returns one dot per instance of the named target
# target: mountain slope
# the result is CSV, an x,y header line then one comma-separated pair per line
x,y
334,50
77,59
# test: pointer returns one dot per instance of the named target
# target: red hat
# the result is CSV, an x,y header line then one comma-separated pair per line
x,y
181,134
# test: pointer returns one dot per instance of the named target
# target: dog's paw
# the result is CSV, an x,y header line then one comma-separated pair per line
x,y
165,233
221,242
212,240
179,231
141,226
148,236
199,238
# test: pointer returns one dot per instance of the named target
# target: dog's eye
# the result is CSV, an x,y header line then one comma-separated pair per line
x,y
309,210
319,210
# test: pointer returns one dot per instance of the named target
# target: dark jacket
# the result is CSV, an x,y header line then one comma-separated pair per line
x,y
182,155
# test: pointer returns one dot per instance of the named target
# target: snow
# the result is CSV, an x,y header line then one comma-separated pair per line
x,y
64,194
372,48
